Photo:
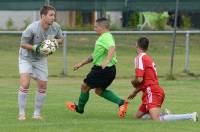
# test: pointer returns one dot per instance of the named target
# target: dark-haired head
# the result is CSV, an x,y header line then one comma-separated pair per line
x,y
143,43
103,22
44,10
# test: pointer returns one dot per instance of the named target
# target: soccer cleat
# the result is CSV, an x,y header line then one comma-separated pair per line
x,y
71,106
37,117
195,116
22,117
122,109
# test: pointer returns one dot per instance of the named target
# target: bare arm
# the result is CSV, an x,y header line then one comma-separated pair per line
x,y
27,46
134,93
111,52
35,48
83,62
135,83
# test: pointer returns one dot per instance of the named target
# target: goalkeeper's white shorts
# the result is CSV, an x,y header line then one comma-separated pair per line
x,y
37,69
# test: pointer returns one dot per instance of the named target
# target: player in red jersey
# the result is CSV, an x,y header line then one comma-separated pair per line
x,y
146,81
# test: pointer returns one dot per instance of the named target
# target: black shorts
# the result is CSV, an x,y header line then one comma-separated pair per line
x,y
100,78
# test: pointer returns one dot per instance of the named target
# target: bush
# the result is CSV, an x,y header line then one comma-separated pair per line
x,y
134,20
79,19
186,21
27,21
160,22
9,24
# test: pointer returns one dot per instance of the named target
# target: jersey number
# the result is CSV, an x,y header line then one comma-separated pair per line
x,y
154,67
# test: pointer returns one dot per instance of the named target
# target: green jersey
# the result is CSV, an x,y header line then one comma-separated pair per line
x,y
102,45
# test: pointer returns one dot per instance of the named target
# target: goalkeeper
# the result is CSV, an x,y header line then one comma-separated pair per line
x,y
33,59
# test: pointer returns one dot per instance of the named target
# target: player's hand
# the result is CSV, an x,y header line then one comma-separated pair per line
x,y
134,83
36,48
77,66
105,63
131,96
103,66
55,42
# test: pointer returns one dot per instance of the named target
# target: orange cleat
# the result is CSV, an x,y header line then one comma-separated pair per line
x,y
71,106
122,109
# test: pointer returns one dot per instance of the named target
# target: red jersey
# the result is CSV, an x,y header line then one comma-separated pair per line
x,y
145,67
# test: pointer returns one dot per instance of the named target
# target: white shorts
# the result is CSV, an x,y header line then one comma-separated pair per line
x,y
37,69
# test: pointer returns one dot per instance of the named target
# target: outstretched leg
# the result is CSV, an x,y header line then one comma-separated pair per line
x,y
83,98
190,116
155,115
110,96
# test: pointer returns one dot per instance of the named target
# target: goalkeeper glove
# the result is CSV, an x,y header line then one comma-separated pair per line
x,y
37,49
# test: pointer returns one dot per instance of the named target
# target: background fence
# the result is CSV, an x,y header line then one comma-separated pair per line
x,y
78,45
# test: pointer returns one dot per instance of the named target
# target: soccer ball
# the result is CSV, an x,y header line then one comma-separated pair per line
x,y
49,46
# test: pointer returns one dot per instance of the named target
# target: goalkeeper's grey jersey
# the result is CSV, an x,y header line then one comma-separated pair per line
x,y
34,34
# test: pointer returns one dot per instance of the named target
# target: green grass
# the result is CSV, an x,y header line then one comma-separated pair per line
x,y
182,95
100,115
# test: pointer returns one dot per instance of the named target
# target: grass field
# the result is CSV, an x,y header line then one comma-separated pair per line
x,y
182,95
100,115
